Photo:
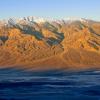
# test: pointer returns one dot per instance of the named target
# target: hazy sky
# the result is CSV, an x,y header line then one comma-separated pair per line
x,y
50,8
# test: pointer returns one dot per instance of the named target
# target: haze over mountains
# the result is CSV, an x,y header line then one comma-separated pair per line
x,y
49,43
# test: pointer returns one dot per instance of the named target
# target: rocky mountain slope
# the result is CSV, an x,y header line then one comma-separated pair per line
x,y
47,43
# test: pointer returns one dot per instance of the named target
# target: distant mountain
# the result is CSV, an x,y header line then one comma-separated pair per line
x,y
50,43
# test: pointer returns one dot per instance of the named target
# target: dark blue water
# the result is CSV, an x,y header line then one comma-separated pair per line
x,y
49,85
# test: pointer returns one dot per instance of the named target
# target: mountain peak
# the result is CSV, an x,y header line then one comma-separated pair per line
x,y
32,19
44,42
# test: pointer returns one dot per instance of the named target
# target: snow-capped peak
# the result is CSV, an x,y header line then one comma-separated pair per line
x,y
31,19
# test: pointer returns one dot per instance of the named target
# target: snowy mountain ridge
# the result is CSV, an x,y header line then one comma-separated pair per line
x,y
43,20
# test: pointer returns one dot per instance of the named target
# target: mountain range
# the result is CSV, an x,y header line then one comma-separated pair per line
x,y
43,43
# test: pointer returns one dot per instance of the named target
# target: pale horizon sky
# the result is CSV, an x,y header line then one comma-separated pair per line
x,y
50,8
